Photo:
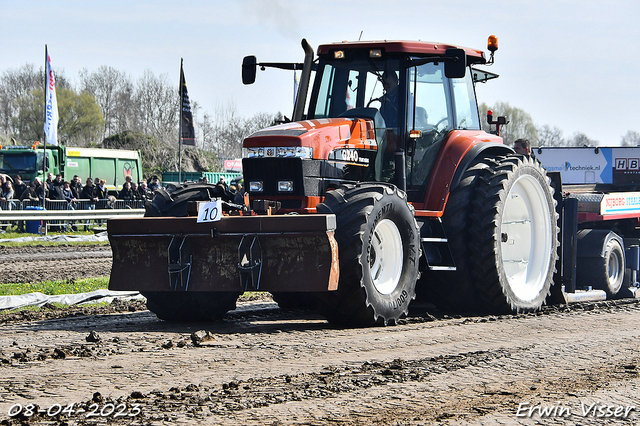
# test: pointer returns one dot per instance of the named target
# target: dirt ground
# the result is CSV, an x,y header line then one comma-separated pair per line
x,y
33,264
566,365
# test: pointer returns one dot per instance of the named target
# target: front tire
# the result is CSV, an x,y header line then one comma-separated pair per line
x,y
291,301
179,305
514,235
190,306
379,247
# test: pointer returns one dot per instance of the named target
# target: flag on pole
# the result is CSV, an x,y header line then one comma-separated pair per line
x,y
51,106
187,132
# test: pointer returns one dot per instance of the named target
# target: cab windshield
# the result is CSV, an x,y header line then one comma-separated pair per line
x,y
362,87
20,162
399,98
356,82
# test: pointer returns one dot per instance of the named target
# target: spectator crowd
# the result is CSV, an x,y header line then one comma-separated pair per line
x,y
59,194
54,188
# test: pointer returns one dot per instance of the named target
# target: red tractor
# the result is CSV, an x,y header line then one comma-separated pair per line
x,y
386,187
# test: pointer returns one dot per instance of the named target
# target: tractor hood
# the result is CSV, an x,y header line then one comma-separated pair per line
x,y
322,135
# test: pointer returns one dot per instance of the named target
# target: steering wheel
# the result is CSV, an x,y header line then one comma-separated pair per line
x,y
442,120
375,100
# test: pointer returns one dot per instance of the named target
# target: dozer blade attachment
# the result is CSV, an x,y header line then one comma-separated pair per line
x,y
236,254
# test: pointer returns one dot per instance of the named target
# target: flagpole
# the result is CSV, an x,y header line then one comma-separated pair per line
x,y
44,148
180,127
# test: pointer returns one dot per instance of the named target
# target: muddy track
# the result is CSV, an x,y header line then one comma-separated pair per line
x,y
566,365
64,262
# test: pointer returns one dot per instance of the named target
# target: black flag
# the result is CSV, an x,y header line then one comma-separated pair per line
x,y
187,132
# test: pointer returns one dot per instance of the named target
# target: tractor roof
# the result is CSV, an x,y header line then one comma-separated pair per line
x,y
419,48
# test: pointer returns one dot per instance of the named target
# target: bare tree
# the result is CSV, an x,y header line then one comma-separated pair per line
x,y
157,106
230,129
125,113
15,85
520,122
580,139
17,101
22,103
632,138
206,132
548,136
106,85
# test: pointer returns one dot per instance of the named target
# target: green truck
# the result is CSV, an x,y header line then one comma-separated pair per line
x,y
112,165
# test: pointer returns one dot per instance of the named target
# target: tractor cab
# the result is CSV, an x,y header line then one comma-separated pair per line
x,y
416,93
377,112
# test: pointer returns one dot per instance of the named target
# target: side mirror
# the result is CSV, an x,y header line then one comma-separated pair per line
x,y
249,64
455,64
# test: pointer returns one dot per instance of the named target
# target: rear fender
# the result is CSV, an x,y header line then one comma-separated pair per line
x,y
480,150
458,153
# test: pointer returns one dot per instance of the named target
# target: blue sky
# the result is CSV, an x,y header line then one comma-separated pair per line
x,y
570,64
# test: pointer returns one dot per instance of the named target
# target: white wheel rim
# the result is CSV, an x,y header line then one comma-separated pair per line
x,y
615,265
526,240
385,257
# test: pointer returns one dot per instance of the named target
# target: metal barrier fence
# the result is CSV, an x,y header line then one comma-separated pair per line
x,y
77,205
63,215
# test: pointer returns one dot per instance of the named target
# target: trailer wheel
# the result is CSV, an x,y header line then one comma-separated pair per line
x,y
514,235
379,248
195,306
604,272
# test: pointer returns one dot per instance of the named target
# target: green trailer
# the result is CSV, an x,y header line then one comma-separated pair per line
x,y
112,165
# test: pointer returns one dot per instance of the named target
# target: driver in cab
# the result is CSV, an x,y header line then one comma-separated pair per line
x,y
389,108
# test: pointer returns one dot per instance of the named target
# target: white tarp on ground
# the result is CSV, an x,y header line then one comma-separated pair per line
x,y
102,236
39,299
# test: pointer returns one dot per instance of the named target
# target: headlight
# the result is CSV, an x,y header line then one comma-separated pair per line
x,y
303,152
252,152
285,186
255,186
279,152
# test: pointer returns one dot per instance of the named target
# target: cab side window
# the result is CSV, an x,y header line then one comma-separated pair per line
x,y
465,102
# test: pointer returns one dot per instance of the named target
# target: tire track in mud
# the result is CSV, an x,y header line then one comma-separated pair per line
x,y
31,264
239,399
235,396
450,388
265,366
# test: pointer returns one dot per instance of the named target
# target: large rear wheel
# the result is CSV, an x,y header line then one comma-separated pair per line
x,y
454,291
379,247
514,235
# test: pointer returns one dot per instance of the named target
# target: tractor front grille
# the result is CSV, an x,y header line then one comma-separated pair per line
x,y
305,175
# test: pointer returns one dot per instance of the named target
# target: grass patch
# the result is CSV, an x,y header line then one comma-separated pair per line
x,y
86,285
249,296
51,288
